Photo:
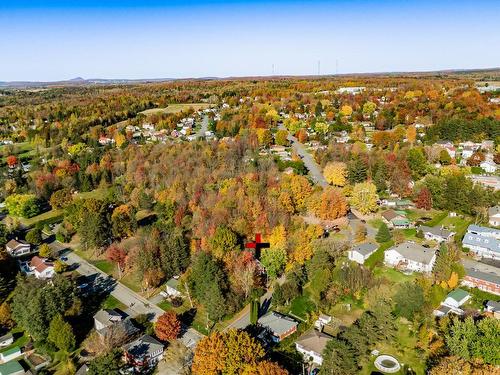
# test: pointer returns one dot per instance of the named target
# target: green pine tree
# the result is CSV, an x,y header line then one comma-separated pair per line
x,y
383,234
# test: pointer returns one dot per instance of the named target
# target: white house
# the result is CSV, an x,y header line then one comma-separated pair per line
x,y
6,340
362,252
482,241
489,166
494,216
10,354
311,345
41,268
106,318
17,248
452,303
456,298
410,256
172,288
436,234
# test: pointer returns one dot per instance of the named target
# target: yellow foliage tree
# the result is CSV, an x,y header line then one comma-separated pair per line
x,y
336,173
329,204
277,239
411,134
453,281
346,110
364,197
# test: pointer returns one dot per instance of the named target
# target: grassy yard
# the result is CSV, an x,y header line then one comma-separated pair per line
x,y
479,297
49,217
20,339
104,265
301,306
378,256
176,108
392,275
131,281
112,303
403,349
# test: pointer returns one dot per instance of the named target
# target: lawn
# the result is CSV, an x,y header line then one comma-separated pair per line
x,y
456,224
375,223
131,281
176,108
392,275
104,265
20,339
301,306
378,256
479,297
49,217
112,303
403,349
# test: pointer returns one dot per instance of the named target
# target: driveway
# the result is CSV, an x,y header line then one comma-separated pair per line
x,y
309,162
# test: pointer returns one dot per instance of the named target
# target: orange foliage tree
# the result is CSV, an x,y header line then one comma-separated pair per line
x,y
168,326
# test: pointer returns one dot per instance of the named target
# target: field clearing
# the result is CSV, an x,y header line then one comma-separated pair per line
x,y
176,108
49,217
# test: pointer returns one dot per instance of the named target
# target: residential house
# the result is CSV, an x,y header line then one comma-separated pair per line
x,y
41,268
494,308
10,354
144,352
322,321
12,368
6,340
362,252
410,256
482,276
488,166
17,248
488,181
494,216
436,234
103,140
452,303
311,345
280,326
395,219
456,298
482,241
172,289
107,322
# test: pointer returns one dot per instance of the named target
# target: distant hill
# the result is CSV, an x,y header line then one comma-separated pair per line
x,y
477,74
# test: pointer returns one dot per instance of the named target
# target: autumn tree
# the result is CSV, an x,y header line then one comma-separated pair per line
x,y
369,108
346,110
424,199
168,326
364,197
411,134
61,198
280,138
44,250
11,161
117,255
329,204
476,159
123,221
336,173
230,352
223,241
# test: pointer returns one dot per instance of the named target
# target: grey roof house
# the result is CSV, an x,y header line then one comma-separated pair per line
x,y
281,326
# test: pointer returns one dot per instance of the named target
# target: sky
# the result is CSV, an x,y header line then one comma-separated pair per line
x,y
62,39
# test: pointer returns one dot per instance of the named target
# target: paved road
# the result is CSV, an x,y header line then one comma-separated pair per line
x,y
136,304
204,127
310,163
